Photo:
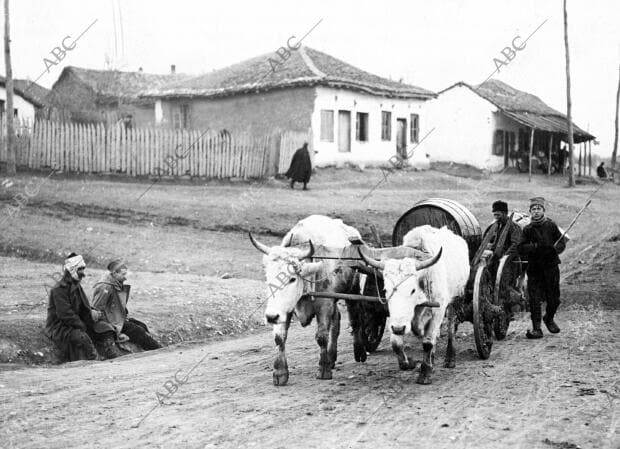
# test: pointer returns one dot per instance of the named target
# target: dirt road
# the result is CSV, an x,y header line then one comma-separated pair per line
x,y
561,392
192,279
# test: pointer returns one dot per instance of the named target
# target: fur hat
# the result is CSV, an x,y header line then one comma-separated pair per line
x,y
116,265
538,201
500,206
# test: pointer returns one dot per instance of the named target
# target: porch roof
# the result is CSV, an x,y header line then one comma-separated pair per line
x,y
550,123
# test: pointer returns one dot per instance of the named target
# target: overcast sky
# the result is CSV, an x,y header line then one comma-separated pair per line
x,y
431,44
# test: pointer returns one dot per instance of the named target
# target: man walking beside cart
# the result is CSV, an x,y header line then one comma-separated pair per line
x,y
541,244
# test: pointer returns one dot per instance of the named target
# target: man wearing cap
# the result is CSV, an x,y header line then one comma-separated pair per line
x,y
504,234
110,296
70,318
539,247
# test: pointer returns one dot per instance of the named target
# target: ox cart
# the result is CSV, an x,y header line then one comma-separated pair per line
x,y
491,291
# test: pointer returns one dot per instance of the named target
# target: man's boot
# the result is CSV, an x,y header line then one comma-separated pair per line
x,y
110,350
548,319
535,312
535,333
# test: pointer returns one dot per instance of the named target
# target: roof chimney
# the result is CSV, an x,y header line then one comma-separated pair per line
x,y
173,69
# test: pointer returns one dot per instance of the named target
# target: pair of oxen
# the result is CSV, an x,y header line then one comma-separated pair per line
x,y
421,279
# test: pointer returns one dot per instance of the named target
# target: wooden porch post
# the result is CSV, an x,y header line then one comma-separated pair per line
x,y
589,158
550,151
531,151
579,169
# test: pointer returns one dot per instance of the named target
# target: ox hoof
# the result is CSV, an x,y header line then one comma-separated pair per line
x,y
359,351
280,378
424,379
324,374
449,363
407,365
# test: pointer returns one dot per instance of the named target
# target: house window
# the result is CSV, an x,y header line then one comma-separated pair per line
x,y
327,125
414,124
498,143
386,125
184,116
361,127
180,117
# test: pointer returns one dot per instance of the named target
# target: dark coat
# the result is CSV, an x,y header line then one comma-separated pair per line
x,y
107,298
510,244
537,245
68,309
301,166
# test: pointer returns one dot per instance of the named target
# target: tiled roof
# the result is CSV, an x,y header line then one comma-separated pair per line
x,y
304,67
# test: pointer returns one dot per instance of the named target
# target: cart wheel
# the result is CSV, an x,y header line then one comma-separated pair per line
x,y
482,297
504,283
373,333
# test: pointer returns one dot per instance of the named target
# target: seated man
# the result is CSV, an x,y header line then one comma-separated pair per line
x,y
110,296
601,172
70,318
505,236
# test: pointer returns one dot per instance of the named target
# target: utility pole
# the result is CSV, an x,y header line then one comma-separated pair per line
x,y
614,154
10,132
571,173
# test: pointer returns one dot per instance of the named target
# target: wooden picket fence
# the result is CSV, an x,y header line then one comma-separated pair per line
x,y
81,148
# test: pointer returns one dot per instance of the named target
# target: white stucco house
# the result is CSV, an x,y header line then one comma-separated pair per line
x,y
354,116
490,125
27,98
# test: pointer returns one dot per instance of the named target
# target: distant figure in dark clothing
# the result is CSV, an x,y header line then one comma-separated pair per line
x,y
70,318
601,172
539,247
301,167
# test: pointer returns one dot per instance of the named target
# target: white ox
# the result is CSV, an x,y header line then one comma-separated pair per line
x,y
409,283
289,273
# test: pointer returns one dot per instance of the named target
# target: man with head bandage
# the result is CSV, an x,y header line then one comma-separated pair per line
x,y
70,318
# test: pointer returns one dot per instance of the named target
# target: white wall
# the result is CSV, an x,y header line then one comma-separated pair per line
x,y
464,125
25,109
374,151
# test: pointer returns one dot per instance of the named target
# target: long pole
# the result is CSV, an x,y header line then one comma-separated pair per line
x,y
589,157
531,152
550,151
10,131
615,150
571,173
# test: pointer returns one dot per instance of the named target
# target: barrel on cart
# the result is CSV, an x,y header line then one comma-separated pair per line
x,y
439,212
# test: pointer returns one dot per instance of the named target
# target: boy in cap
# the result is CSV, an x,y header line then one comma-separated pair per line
x,y
539,247
110,296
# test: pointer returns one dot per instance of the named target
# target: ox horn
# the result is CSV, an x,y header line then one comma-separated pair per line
x,y
371,261
310,252
422,264
258,245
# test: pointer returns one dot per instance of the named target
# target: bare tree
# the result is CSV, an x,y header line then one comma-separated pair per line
x,y
614,154
571,173
10,132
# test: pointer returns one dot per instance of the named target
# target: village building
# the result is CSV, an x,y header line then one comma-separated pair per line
x,y
491,126
351,115
106,96
28,99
